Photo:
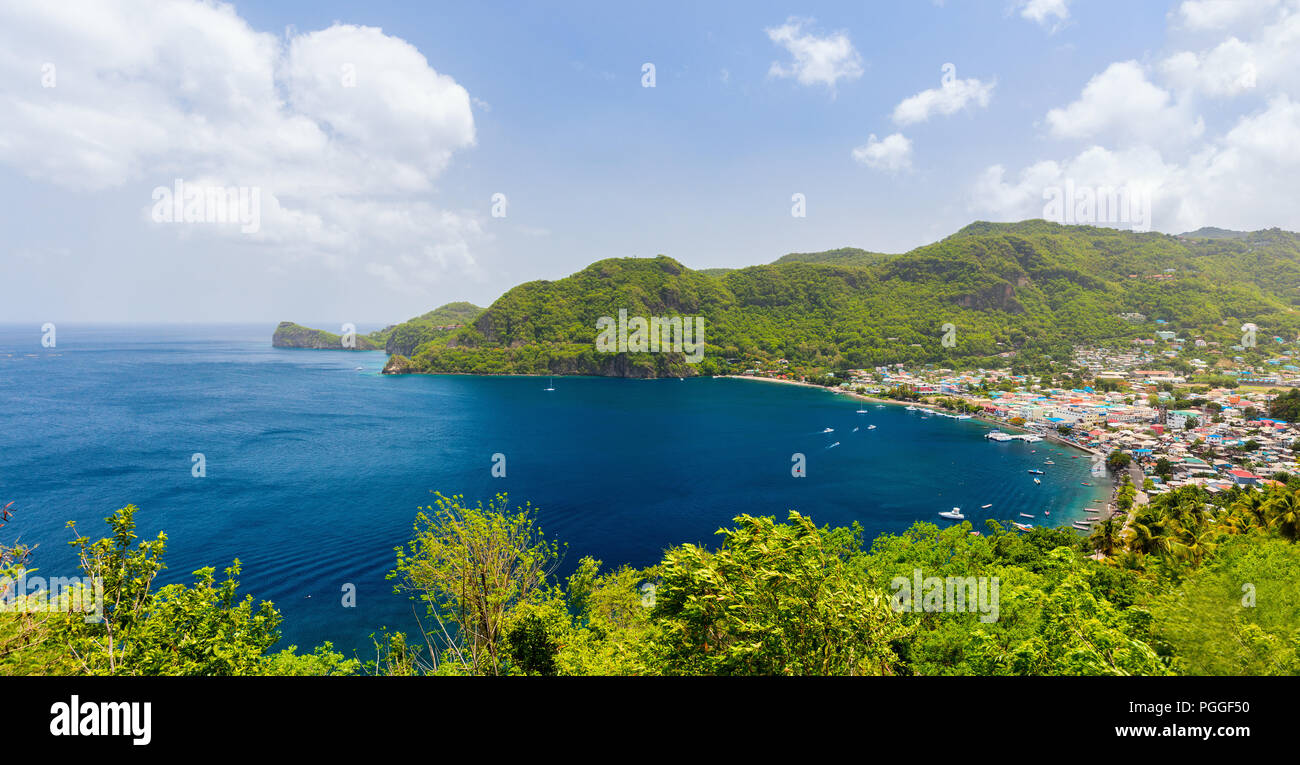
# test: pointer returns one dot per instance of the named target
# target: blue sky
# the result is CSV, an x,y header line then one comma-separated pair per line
x,y
376,196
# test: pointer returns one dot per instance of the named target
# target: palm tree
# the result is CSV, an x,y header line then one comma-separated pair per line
x,y
1105,537
1146,538
1251,507
1283,511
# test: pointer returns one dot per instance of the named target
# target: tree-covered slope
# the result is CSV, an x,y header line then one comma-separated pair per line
x,y
1027,289
290,335
404,338
401,338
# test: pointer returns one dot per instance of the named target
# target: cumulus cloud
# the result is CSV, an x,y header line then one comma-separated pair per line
x,y
948,99
1220,14
1121,103
1045,12
1141,134
814,60
1243,179
892,153
342,129
1262,56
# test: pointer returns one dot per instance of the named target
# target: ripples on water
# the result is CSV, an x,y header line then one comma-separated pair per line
x,y
315,470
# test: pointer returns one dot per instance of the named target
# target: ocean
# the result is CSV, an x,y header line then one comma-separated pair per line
x,y
316,464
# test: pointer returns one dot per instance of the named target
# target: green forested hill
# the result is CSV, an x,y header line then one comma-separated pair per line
x,y
406,337
1028,289
844,256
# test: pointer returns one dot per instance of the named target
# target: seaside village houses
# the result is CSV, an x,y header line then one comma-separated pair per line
x,y
1229,441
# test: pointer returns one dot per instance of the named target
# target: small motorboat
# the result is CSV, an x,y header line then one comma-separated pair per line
x,y
986,507
953,514
1026,515
829,430
1081,483
1038,481
871,427
1022,526
1036,472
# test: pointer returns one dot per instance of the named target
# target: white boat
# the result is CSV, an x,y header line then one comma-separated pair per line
x,y
911,408
829,430
862,411
986,507
855,430
1026,515
1037,480
953,515
871,427
551,384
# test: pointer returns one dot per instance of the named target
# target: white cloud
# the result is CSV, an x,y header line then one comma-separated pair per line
x,y
1220,14
1045,12
893,153
1259,56
1122,104
342,129
816,60
1243,180
1143,135
951,97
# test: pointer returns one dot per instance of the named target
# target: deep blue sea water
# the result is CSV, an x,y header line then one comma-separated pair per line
x,y
316,469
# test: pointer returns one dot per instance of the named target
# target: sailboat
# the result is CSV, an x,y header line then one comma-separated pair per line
x,y
550,385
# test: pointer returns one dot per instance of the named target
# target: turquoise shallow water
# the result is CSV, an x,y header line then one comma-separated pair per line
x,y
315,468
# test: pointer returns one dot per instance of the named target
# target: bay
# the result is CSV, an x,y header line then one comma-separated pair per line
x,y
316,464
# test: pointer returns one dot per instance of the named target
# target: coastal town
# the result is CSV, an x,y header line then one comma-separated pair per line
x,y
1174,429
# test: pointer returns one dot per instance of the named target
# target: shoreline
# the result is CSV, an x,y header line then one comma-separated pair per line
x,y
1103,494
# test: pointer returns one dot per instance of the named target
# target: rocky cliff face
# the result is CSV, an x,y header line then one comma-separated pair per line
x,y
290,335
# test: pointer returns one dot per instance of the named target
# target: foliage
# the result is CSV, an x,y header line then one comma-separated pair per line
x,y
1025,289
177,629
472,567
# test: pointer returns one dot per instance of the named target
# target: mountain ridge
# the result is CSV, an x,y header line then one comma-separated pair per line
x,y
1017,291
